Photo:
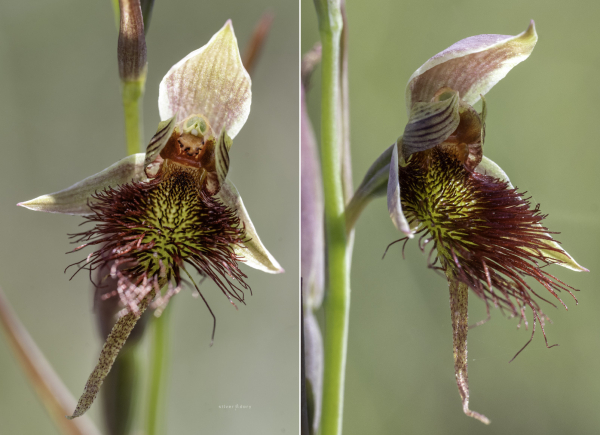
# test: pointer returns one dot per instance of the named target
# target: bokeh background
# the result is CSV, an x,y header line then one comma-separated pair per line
x,y
542,130
60,121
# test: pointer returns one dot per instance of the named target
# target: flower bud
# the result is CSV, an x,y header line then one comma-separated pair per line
x,y
132,42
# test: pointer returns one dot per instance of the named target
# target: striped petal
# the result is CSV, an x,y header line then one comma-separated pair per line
x,y
471,66
430,123
222,158
157,143
210,81
75,199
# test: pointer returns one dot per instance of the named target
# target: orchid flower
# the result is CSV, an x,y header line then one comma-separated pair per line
x,y
487,237
156,213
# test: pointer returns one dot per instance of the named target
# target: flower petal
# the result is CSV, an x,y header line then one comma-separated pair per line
x,y
255,254
483,116
488,167
222,157
556,252
471,66
75,199
373,185
215,180
157,143
210,81
393,197
430,124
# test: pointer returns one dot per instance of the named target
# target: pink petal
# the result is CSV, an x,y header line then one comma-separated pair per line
x,y
210,81
471,66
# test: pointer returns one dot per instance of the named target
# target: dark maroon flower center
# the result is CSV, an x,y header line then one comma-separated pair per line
x,y
148,232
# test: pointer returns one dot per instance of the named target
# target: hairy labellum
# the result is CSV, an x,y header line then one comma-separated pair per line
x,y
487,238
485,233
148,231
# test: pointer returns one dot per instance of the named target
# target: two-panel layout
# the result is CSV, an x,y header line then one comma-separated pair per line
x,y
268,207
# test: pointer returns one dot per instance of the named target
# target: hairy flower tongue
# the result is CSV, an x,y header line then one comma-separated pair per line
x,y
487,236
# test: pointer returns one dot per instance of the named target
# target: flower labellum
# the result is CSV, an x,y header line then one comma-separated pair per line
x,y
157,213
486,236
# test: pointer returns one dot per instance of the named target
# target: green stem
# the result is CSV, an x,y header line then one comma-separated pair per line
x,y
337,304
159,362
121,390
133,95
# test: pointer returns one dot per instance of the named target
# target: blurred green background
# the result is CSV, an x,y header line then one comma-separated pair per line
x,y
542,130
61,120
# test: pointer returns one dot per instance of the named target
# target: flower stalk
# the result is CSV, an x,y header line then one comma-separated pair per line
x,y
337,303
159,368
132,70
132,95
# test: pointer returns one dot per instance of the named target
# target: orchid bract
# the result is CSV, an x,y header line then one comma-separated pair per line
x,y
484,235
171,209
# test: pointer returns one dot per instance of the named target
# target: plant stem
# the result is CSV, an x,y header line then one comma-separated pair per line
x,y
159,362
337,303
133,95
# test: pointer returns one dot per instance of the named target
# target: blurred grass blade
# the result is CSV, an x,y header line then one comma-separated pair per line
x,y
257,42
55,397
